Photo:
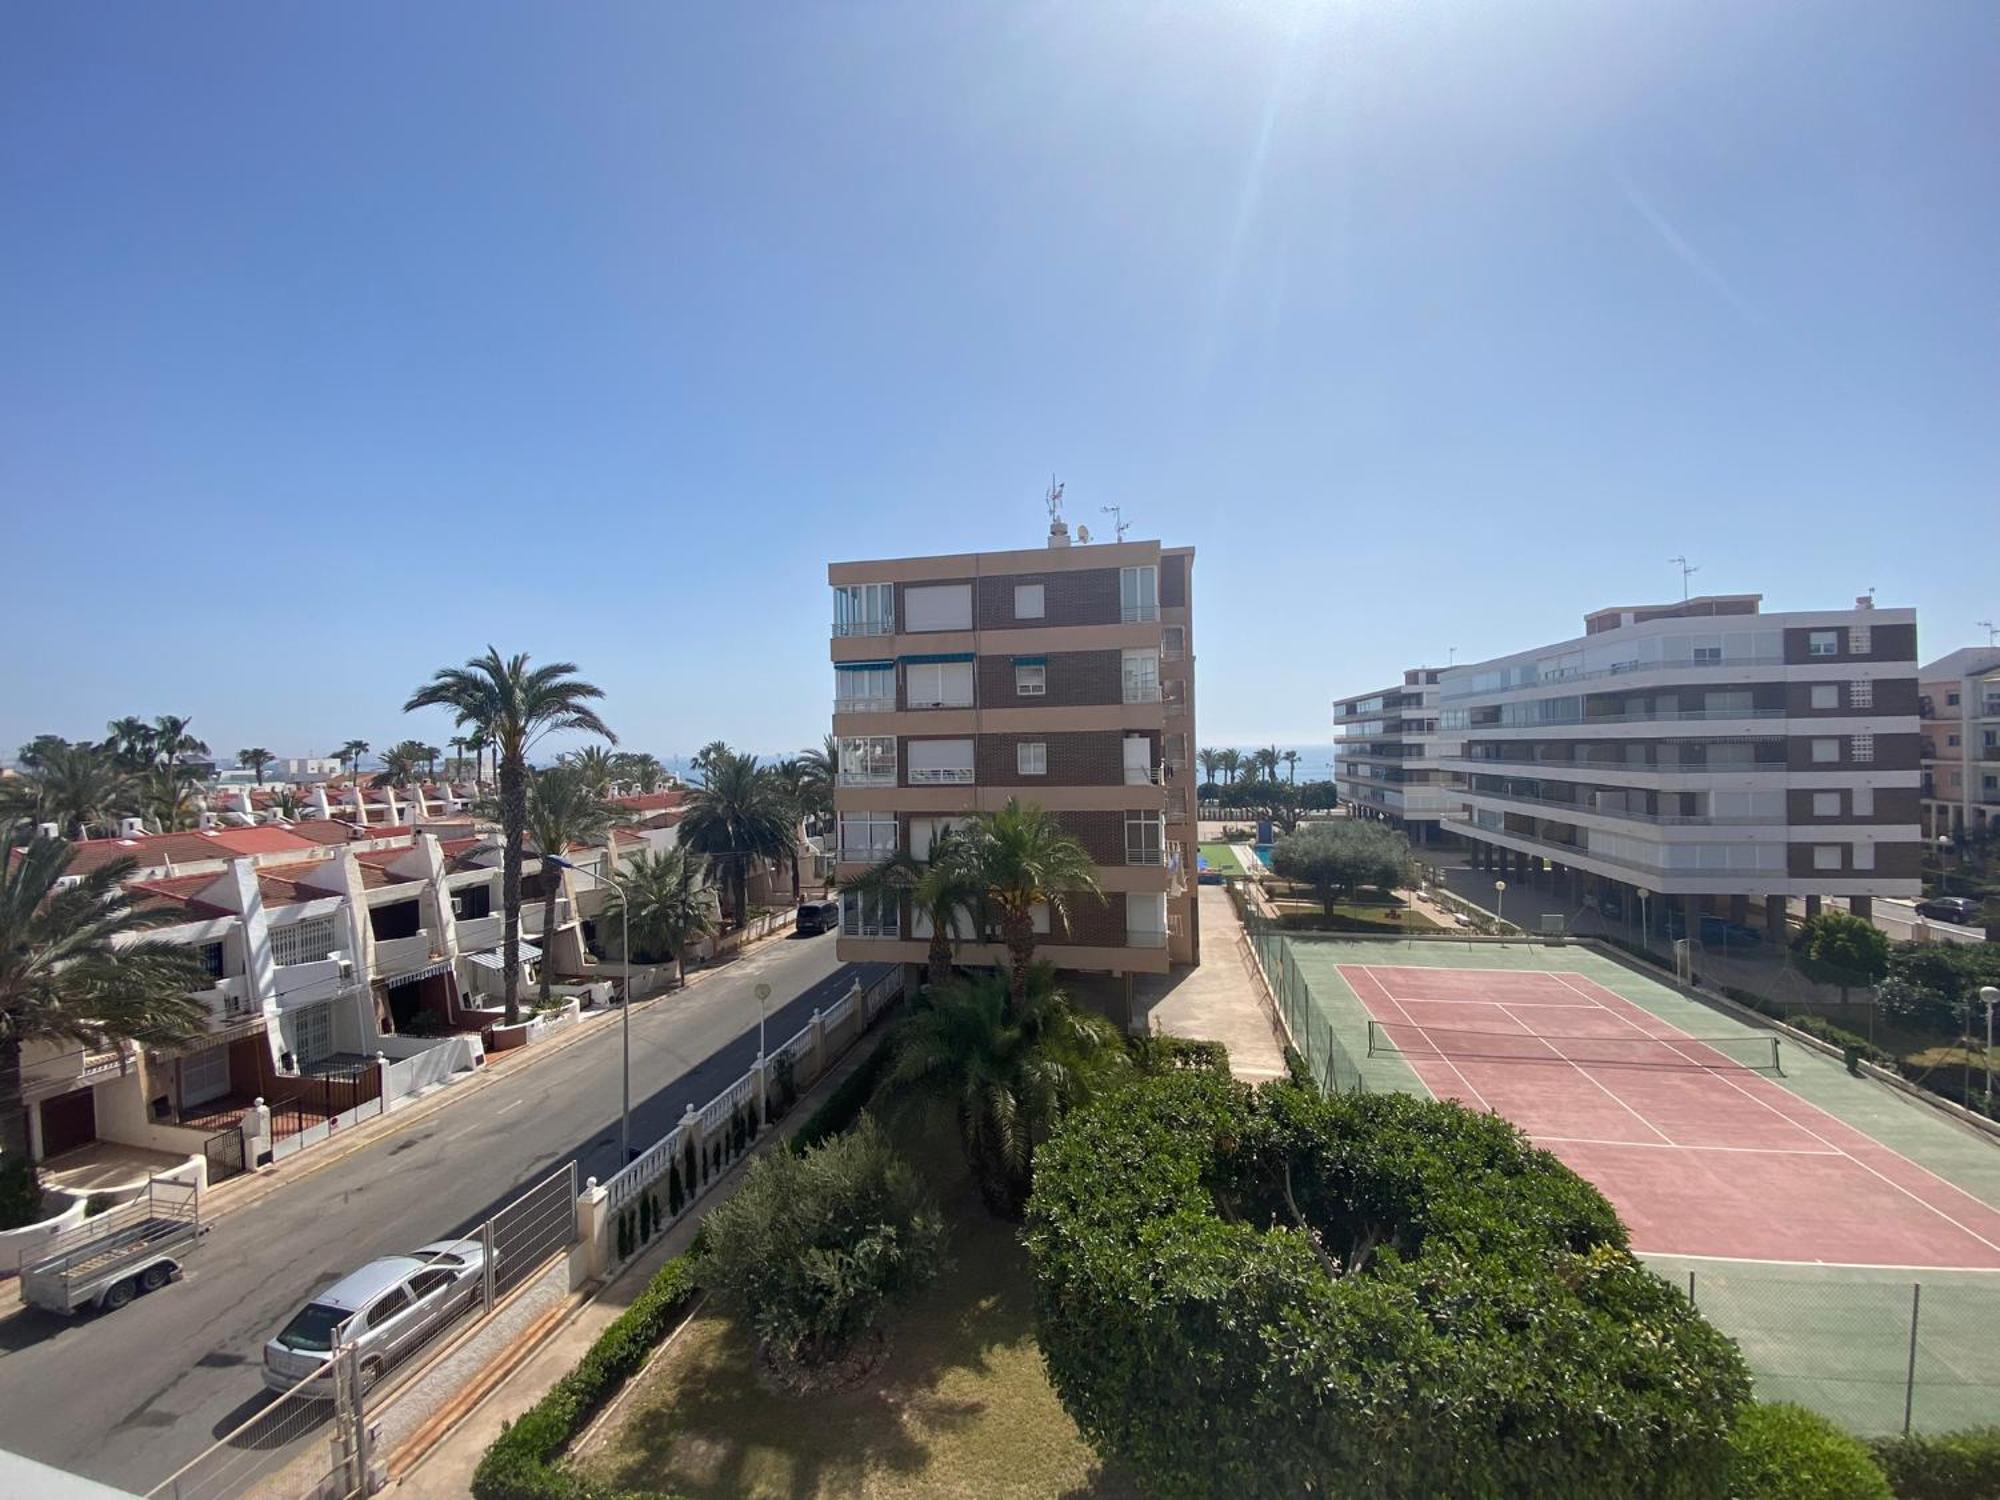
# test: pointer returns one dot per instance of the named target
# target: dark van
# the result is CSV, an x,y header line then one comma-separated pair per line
x,y
818,916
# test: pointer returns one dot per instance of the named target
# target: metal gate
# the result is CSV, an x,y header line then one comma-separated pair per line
x,y
224,1151
314,1102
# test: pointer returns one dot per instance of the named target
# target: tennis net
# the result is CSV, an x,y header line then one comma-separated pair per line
x,y
1407,1039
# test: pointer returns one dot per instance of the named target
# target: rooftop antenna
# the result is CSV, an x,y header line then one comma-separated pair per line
x,y
1688,570
1992,631
1451,656
1119,524
1058,528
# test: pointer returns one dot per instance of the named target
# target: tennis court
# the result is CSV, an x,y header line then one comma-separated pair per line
x,y
1808,1211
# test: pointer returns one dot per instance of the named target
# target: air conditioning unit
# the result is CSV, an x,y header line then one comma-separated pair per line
x,y
346,970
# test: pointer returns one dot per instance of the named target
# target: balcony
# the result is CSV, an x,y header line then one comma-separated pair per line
x,y
1174,694
864,852
863,627
1144,855
936,702
1145,940
1141,692
311,982
873,776
864,705
228,1002
532,916
939,776
1619,669
481,932
403,955
1144,776
1134,614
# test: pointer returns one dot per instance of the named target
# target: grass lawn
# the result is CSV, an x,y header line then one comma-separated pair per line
x,y
1222,859
959,1406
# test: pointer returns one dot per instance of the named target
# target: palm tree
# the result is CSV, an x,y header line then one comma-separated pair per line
x,y
79,789
1007,1067
74,967
171,740
351,752
641,768
1268,759
597,764
1291,759
942,888
709,756
1231,761
455,767
1025,859
431,754
1211,761
399,764
166,794
672,904
131,742
564,808
513,706
790,776
736,815
819,770
254,759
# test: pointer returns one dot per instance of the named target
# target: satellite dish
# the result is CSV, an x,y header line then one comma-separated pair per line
x,y
1083,533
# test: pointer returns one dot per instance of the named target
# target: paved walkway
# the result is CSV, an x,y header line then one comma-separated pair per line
x,y
1221,1001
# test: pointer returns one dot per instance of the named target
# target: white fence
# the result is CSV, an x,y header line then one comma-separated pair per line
x,y
430,1066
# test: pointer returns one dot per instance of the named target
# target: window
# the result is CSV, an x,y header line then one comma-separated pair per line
x,y
1145,839
1826,695
1141,671
1826,804
1826,752
868,760
1138,594
939,684
1864,856
310,1031
864,687
392,1304
1863,798
924,833
426,1282
869,914
210,955
940,762
1032,758
1173,642
1863,748
1860,640
866,837
302,942
1030,601
1951,700
1861,693
1826,856
864,609
1031,678
1823,643
1707,655
937,606
1951,740
468,903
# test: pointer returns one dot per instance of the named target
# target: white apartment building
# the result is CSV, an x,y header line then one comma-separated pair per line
x,y
1959,698
1387,759
1701,753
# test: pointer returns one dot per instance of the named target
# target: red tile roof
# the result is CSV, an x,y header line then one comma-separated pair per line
x,y
651,801
287,885
184,848
181,891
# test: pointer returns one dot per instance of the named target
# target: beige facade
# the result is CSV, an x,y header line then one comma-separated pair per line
x,y
1062,676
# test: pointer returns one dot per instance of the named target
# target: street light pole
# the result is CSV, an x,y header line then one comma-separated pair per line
x,y
1500,901
1989,996
624,1000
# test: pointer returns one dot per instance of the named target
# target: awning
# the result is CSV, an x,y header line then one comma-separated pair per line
x,y
496,958
863,666
955,656
1031,661
411,976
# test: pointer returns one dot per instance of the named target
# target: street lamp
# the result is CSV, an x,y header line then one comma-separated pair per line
x,y
624,999
1989,997
1500,900
1944,864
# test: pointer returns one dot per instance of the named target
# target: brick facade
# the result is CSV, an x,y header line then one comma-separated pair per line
x,y
1074,678
1084,597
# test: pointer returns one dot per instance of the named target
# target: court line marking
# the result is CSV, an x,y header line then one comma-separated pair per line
x,y
1591,1077
1585,1140
1831,1265
1767,1104
1406,1018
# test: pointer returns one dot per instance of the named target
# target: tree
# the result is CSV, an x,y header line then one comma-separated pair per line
x,y
1268,759
1335,859
942,888
672,905
597,765
254,759
455,767
564,809
1291,759
400,763
711,755
1026,859
791,779
1931,986
478,742
811,1248
172,741
166,793
76,966
737,815
819,770
1231,761
642,769
130,742
79,789
513,705
351,752
1839,948
1210,762
1005,1071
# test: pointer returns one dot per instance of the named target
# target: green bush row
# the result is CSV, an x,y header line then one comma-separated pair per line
x,y
1163,1054
1841,1037
1298,1069
1943,1466
519,1465
1778,1451
850,1096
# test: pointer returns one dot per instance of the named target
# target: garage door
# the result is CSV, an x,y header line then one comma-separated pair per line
x,y
68,1121
204,1076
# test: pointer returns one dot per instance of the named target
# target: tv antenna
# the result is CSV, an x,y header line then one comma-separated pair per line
x,y
1119,525
1451,656
1054,499
1992,630
1688,570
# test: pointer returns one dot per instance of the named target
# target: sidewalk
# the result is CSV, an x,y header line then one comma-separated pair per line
x,y
444,1471
1219,1001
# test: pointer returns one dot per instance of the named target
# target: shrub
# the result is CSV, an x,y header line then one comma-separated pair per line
x,y
1298,1069
1841,949
1163,1054
20,1193
811,1248
517,1465
1276,1294
1778,1451
1337,858
1943,1466
676,1196
1841,1037
841,1107
784,1085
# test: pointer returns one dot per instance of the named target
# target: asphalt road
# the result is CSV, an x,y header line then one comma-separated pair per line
x,y
129,1397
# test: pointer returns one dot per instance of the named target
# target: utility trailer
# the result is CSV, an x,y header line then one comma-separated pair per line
x,y
108,1260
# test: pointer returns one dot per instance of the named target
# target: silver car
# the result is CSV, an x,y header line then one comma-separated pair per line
x,y
386,1309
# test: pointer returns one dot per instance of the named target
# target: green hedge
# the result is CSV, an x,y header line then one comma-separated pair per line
x,y
850,1096
519,1465
1841,1037
1163,1054
1943,1466
1783,1452
1279,1294
1298,1069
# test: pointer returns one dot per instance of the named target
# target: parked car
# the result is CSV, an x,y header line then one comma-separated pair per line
x,y
817,917
386,1309
1949,909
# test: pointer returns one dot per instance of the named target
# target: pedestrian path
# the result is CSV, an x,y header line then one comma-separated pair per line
x,y
1219,1001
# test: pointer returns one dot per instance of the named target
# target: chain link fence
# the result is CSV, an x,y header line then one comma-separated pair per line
x,y
1311,1027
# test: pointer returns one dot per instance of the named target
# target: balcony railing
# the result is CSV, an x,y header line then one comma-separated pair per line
x,y
1141,692
1142,776
398,955
1633,815
1145,940
916,702
941,776
870,777
864,705
1138,855
864,627
1659,716
228,1001
862,852
481,932
1620,669
1133,614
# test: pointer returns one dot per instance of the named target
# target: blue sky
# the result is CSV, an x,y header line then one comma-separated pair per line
x,y
338,341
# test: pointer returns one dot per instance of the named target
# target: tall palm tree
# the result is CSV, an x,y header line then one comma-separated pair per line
x,y
564,808
1211,761
819,769
1268,759
130,742
351,752
80,789
1291,759
1007,1068
431,754
513,705
739,814
709,756
943,888
598,765
790,776
641,768
478,742
455,767
171,740
166,793
254,759
672,904
1025,858
1231,761
399,764
75,967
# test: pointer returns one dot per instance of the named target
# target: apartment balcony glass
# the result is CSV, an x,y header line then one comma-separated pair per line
x,y
866,838
870,915
941,776
864,609
1174,696
1138,594
941,762
865,687
1140,675
938,682
1145,839
868,760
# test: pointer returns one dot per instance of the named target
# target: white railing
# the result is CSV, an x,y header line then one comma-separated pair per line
x,y
868,778
940,702
394,955
864,627
835,1013
1141,692
1133,614
864,705
228,1001
941,776
1142,776
481,932
1134,856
